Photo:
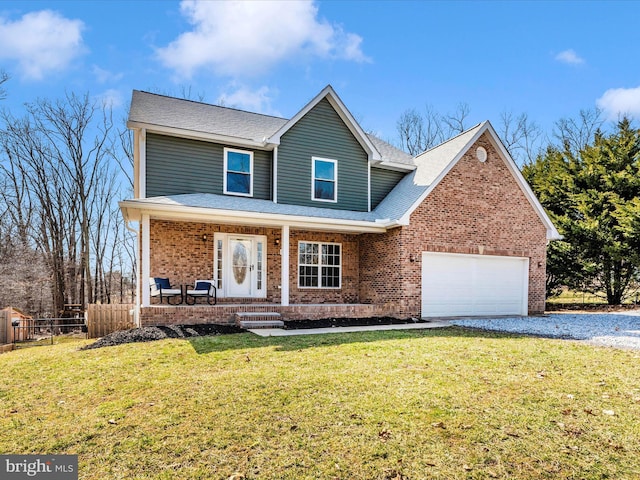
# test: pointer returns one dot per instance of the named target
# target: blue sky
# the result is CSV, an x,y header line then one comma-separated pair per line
x,y
548,59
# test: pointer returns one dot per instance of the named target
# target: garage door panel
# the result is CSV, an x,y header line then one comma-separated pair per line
x,y
467,285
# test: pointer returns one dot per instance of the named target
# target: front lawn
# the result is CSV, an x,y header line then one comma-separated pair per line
x,y
413,405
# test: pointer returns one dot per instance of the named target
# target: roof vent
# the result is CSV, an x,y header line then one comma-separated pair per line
x,y
481,154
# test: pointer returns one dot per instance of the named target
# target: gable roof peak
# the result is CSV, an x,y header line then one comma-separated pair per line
x,y
343,112
432,166
462,135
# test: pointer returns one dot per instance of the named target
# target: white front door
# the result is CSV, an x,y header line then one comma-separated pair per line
x,y
243,265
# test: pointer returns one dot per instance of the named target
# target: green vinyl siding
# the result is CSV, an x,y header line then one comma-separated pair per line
x,y
321,133
382,182
179,165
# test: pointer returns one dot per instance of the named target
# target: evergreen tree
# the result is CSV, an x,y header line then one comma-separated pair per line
x,y
593,197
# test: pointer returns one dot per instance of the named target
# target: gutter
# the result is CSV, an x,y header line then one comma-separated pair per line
x,y
395,166
202,136
133,211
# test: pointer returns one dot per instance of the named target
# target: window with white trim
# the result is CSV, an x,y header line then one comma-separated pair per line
x,y
325,179
238,172
319,265
218,262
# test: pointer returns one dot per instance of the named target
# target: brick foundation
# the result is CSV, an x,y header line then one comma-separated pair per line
x,y
225,314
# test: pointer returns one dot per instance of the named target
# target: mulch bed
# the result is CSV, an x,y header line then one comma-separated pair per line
x,y
347,322
149,334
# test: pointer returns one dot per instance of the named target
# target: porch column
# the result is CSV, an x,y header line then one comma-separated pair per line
x,y
284,254
145,261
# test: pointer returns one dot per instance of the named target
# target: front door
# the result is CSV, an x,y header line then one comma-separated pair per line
x,y
245,266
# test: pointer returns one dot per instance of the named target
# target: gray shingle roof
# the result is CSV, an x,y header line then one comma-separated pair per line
x,y
162,111
153,109
253,205
390,153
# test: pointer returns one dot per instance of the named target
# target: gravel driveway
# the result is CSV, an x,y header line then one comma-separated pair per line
x,y
620,329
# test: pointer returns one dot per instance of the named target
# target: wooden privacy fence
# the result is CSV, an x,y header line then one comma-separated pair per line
x,y
15,326
105,319
5,323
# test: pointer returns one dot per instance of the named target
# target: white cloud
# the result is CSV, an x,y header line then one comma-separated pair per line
x,y
41,42
570,57
104,76
111,98
252,100
616,102
248,38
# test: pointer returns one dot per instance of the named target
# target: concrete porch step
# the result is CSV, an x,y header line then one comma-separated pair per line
x,y
249,320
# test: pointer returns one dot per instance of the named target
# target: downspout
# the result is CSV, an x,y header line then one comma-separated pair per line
x,y
274,175
369,184
131,229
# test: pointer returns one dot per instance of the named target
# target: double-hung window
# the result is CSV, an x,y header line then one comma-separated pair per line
x,y
238,172
325,179
319,265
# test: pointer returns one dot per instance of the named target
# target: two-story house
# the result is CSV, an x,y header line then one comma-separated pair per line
x,y
311,217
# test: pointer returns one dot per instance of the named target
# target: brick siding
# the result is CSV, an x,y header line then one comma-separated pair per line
x,y
179,253
477,208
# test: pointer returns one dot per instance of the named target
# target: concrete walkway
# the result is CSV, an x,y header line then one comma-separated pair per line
x,y
281,332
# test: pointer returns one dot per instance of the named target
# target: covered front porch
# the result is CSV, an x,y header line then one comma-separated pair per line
x,y
285,267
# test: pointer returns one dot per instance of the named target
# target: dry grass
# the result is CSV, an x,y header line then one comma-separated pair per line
x,y
373,405
571,297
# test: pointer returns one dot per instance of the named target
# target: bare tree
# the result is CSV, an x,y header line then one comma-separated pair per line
x,y
123,256
121,152
4,76
36,195
419,132
184,91
520,136
61,190
573,134
411,130
456,120
65,124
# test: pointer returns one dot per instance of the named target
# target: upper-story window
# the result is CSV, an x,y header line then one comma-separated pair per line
x,y
238,172
324,174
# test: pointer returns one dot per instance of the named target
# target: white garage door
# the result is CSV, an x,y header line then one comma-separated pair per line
x,y
466,285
